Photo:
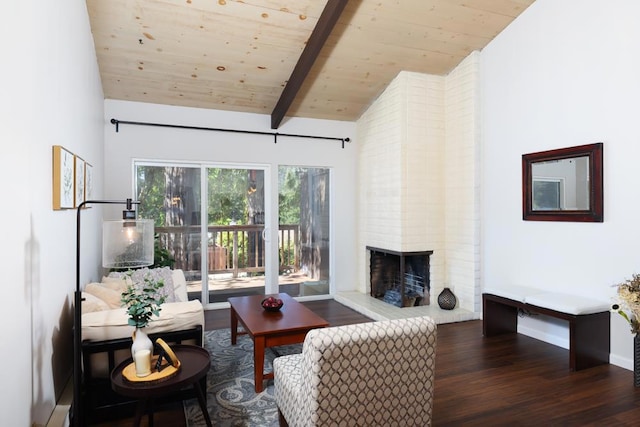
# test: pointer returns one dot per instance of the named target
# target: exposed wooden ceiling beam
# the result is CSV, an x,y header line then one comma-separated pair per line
x,y
319,35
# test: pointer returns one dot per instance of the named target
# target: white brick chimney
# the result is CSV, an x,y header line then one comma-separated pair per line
x,y
419,147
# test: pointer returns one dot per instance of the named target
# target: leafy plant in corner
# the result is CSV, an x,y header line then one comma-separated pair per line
x,y
143,300
161,255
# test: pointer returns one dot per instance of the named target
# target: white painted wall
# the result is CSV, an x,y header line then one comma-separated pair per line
x,y
143,142
51,96
564,73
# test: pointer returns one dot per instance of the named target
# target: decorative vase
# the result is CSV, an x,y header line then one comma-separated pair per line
x,y
636,360
141,351
446,299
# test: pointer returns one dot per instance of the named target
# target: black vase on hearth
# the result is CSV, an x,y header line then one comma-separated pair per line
x,y
446,299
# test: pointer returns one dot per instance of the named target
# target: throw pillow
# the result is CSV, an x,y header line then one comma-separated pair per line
x,y
109,296
107,279
137,276
91,303
180,286
115,283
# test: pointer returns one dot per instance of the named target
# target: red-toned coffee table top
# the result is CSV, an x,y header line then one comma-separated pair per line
x,y
268,329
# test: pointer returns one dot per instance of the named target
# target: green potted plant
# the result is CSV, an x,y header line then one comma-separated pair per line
x,y
161,255
142,301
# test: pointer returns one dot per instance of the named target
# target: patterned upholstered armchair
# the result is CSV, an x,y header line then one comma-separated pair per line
x,y
368,374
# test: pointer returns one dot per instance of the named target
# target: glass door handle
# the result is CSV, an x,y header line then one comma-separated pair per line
x,y
264,234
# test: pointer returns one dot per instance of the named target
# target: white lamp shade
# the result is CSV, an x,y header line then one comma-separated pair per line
x,y
127,243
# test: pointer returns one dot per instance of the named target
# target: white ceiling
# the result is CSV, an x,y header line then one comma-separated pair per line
x,y
239,54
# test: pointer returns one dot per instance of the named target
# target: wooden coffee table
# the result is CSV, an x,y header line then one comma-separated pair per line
x,y
269,329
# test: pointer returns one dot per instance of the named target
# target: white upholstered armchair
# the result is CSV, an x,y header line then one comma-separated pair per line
x,y
368,374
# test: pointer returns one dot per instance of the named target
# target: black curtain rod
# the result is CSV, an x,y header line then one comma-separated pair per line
x,y
275,135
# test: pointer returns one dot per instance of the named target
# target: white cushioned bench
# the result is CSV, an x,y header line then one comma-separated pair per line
x,y
589,319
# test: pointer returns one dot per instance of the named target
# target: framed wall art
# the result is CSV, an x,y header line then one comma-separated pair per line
x,y
79,181
88,181
63,178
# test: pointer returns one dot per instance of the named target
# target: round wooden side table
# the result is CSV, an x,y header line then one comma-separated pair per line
x,y
194,365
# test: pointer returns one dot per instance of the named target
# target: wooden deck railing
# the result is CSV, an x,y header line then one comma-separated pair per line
x,y
231,248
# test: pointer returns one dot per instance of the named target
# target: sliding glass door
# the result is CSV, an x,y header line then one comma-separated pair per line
x,y
211,222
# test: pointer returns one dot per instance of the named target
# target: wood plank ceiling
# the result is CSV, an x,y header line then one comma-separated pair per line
x,y
238,55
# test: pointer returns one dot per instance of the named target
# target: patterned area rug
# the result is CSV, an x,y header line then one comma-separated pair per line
x,y
231,397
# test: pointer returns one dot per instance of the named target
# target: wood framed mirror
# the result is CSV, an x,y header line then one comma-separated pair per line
x,y
563,184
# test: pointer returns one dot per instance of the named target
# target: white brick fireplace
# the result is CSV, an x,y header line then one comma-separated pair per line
x,y
418,178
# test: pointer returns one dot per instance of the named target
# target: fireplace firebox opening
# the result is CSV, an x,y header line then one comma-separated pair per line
x,y
400,278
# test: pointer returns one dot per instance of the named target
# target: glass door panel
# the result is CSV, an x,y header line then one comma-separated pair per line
x,y
304,230
170,195
235,227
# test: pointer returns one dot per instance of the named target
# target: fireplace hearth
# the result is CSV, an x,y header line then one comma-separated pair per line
x,y
400,278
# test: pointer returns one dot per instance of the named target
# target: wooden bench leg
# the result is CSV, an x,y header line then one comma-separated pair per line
x,y
498,318
589,340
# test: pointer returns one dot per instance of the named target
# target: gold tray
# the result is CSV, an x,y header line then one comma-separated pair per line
x,y
129,372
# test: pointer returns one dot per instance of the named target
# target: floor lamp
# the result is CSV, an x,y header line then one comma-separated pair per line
x,y
126,243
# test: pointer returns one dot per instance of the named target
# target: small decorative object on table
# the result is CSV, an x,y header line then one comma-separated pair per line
x,y
446,299
142,301
141,351
628,306
165,353
272,304
161,367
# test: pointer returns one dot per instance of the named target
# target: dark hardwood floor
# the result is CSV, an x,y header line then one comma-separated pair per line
x,y
506,380
517,380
